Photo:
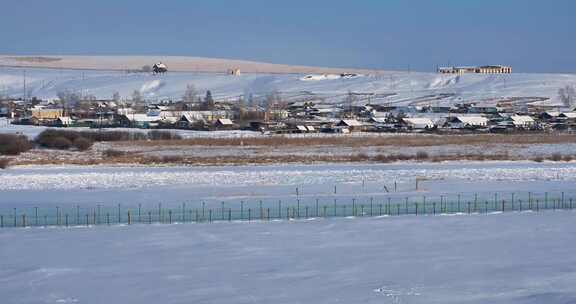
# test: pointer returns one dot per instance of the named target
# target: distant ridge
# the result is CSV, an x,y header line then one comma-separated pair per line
x,y
174,63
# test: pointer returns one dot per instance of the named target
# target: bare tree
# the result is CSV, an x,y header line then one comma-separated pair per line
x,y
350,101
190,95
567,95
116,96
68,98
209,101
137,96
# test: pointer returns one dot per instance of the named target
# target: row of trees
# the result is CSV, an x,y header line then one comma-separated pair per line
x,y
191,99
567,96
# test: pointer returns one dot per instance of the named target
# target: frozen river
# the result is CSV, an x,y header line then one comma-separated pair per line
x,y
24,187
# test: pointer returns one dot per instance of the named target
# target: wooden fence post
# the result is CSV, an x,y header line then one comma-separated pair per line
x,y
298,208
279,209
335,210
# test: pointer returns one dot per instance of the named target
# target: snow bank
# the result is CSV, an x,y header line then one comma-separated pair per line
x,y
150,87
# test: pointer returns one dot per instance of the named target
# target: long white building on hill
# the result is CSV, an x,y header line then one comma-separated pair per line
x,y
485,69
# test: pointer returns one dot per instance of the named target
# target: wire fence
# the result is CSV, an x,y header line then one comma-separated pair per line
x,y
476,203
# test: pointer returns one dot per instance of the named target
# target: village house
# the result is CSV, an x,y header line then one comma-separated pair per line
x,y
138,120
224,124
486,69
568,115
549,115
63,121
188,119
417,123
522,121
40,115
351,124
278,114
467,122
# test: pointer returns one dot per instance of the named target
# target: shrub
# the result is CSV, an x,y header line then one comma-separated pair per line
x,y
12,144
381,158
358,157
568,158
398,157
61,143
113,153
4,163
421,155
58,139
538,159
163,135
556,157
85,139
82,144
172,159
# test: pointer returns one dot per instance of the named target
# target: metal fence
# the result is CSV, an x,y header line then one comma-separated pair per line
x,y
476,203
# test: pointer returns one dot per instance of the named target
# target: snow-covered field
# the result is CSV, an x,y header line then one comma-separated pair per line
x,y
499,258
404,88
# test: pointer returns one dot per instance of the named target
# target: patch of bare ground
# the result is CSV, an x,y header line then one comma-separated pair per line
x,y
305,150
358,141
115,157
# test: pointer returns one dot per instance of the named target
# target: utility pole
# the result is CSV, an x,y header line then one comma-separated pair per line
x,y
24,86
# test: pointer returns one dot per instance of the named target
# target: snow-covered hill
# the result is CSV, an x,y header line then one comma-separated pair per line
x,y
400,88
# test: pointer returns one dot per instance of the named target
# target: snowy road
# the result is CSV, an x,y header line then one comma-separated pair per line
x,y
501,258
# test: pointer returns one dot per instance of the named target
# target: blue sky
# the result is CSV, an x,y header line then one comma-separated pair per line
x,y
532,36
